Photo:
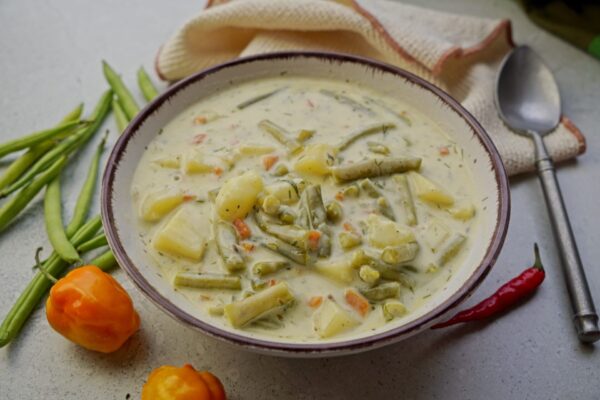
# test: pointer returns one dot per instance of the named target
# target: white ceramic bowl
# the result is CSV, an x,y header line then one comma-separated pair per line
x,y
489,176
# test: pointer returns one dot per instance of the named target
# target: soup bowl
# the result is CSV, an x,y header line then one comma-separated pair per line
x,y
488,173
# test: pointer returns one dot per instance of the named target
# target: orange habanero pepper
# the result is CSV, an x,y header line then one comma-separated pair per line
x,y
90,308
185,383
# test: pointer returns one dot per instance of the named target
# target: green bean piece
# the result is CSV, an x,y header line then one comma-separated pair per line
x,y
280,170
312,202
54,225
324,248
17,203
375,167
368,274
86,194
39,285
105,261
291,234
93,243
382,292
281,135
378,148
120,117
216,310
38,137
259,284
65,147
355,105
366,131
123,94
146,86
293,253
386,271
242,312
406,199
263,268
304,135
208,281
286,215
393,309
334,211
452,248
395,255
226,240
258,98
271,204
349,240
369,187
385,209
401,115
351,191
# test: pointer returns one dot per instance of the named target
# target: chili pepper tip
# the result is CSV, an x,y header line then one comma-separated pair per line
x,y
538,261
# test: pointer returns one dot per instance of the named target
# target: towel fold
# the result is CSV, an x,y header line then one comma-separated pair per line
x,y
458,53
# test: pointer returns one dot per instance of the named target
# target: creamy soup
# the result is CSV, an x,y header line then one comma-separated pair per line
x,y
304,209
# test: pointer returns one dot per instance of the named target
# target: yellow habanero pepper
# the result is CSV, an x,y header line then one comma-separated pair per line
x,y
90,308
185,383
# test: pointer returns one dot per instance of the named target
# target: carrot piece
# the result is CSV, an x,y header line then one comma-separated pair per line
x,y
218,171
272,282
444,151
199,138
357,301
242,228
200,120
269,160
188,197
348,227
339,196
315,301
313,239
248,247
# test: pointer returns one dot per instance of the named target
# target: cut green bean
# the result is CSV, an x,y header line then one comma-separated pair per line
x,y
54,225
263,268
378,148
86,194
406,199
258,98
39,285
93,243
375,167
369,187
349,240
293,253
226,240
281,135
351,191
291,234
451,248
120,117
105,261
366,131
401,115
385,209
387,271
324,246
38,137
240,313
123,94
208,281
368,274
146,86
395,255
334,211
382,291
18,202
312,202
304,135
393,309
355,105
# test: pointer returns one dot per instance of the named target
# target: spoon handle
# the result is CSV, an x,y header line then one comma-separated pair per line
x,y
585,316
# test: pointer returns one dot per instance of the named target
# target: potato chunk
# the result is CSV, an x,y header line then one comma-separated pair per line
x,y
436,233
430,192
156,205
316,159
238,195
339,270
330,319
463,212
381,232
198,163
287,192
183,235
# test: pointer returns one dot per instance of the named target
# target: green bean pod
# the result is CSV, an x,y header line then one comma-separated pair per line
x,y
37,137
54,225
105,261
124,95
93,243
120,117
146,86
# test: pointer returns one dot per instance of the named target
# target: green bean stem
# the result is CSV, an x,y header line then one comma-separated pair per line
x,y
54,225
124,95
146,86
93,243
366,131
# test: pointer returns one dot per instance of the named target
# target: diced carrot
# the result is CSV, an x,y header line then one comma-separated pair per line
x,y
218,171
200,120
188,197
444,151
204,297
348,227
199,138
315,301
272,282
357,301
339,196
242,228
248,247
313,239
269,160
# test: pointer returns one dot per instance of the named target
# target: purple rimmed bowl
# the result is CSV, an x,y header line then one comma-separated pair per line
x,y
487,169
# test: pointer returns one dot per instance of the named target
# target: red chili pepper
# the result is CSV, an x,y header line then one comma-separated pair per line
x,y
505,297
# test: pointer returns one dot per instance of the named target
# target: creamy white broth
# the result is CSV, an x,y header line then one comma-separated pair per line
x,y
217,128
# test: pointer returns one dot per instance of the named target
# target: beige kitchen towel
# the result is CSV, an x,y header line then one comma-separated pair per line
x,y
459,53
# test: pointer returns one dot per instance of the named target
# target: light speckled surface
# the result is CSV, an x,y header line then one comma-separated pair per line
x,y
51,54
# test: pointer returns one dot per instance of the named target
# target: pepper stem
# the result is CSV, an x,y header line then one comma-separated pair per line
x,y
538,261
39,266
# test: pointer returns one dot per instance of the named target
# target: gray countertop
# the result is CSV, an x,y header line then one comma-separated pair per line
x,y
51,53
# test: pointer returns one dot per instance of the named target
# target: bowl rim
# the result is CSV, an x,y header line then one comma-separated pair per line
x,y
346,346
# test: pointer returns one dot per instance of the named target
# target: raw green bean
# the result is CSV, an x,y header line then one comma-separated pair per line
x,y
287,250
208,281
258,98
375,167
18,202
120,117
406,199
93,243
395,255
39,285
241,312
226,240
355,105
281,135
263,268
65,147
451,248
38,137
146,86
124,95
366,131
105,261
54,225
382,292
385,209
86,194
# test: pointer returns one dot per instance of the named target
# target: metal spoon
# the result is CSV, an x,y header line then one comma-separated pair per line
x,y
528,101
